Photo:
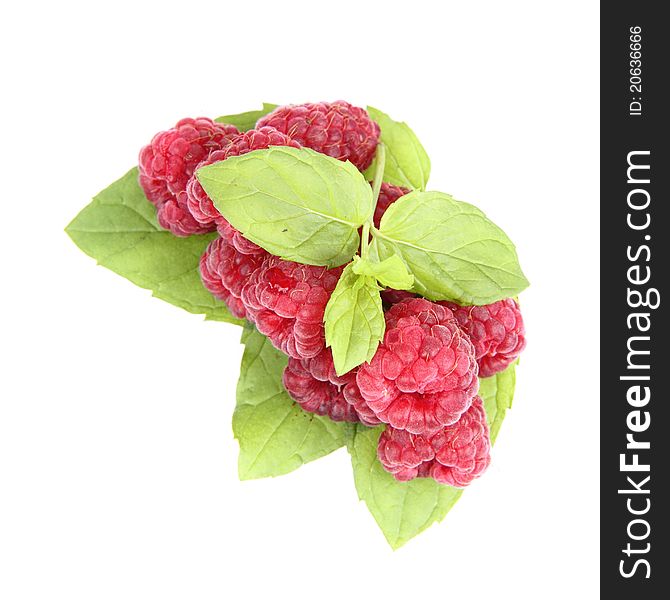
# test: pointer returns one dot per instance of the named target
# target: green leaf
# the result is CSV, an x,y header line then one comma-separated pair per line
x,y
407,163
247,120
275,435
451,248
119,229
497,392
294,202
354,320
402,509
391,272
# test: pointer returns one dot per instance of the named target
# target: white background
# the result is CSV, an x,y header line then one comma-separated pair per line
x,y
117,461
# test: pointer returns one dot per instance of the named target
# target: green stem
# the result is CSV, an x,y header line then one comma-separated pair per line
x,y
376,186
379,171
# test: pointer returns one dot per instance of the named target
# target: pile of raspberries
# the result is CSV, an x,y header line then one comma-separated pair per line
x,y
422,382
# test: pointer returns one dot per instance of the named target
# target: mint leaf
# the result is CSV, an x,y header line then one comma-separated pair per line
x,y
119,229
294,202
407,163
275,435
402,509
354,320
247,120
391,272
497,392
451,248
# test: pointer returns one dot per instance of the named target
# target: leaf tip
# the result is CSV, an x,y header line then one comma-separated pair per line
x,y
396,543
340,369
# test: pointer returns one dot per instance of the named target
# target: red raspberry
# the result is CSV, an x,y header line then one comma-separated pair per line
x,y
286,301
173,155
199,203
314,385
496,330
423,375
337,129
224,270
167,163
455,455
388,194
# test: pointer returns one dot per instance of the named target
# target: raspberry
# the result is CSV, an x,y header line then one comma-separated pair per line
x,y
388,194
455,455
173,155
199,203
314,385
423,375
496,330
337,129
224,270
286,301
167,163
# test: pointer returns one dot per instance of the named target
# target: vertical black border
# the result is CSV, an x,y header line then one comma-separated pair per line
x,y
622,133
